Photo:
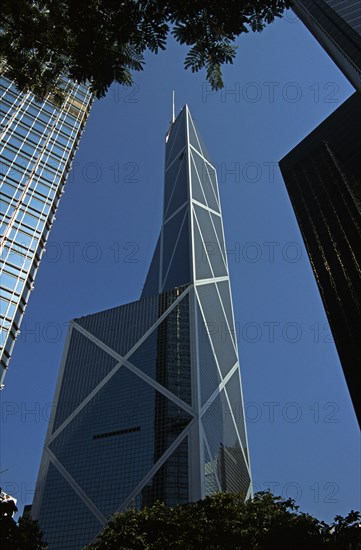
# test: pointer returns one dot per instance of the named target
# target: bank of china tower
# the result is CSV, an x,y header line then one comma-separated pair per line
x,y
149,401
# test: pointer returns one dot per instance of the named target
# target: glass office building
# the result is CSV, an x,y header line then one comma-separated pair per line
x,y
323,179
336,25
148,404
38,142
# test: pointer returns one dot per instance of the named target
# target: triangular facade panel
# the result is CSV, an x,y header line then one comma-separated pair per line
x,y
225,448
212,423
108,326
201,261
208,370
203,148
85,368
217,224
196,139
210,239
235,471
225,294
126,415
193,138
171,482
180,195
210,481
179,269
173,175
211,185
213,177
165,354
203,174
145,356
197,189
151,284
59,495
177,139
234,394
171,234
110,427
215,320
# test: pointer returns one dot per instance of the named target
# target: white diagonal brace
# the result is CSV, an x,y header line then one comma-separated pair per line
x,y
124,362
231,333
205,242
217,391
175,212
237,431
76,488
209,338
203,157
174,186
210,183
159,387
212,280
198,178
156,467
116,355
205,207
219,388
174,248
249,494
214,470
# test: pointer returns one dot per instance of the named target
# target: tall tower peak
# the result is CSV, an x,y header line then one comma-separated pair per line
x,y
149,399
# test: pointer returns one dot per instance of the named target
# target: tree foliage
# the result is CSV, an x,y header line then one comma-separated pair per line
x,y
102,41
225,522
24,535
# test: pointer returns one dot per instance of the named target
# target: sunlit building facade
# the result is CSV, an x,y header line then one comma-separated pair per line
x,y
37,144
149,404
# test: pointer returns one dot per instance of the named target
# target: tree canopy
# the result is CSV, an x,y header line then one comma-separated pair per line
x,y
103,41
24,535
224,521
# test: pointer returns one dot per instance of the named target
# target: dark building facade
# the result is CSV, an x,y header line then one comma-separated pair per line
x,y
149,402
336,24
323,179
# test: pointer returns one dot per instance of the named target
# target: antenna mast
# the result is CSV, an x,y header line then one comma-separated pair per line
x,y
173,107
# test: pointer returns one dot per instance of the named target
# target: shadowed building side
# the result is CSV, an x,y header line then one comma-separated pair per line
x,y
336,25
322,175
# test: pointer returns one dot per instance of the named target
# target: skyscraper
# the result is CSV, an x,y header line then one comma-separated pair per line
x,y
323,179
148,404
38,142
336,24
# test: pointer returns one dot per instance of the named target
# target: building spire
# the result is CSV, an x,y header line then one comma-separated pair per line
x,y
173,117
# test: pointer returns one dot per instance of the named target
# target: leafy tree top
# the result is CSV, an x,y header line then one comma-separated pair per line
x,y
102,41
224,521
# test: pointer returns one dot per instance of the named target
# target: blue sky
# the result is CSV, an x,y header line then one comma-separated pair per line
x,y
303,435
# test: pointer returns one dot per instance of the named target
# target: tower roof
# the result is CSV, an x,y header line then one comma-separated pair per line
x,y
191,241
